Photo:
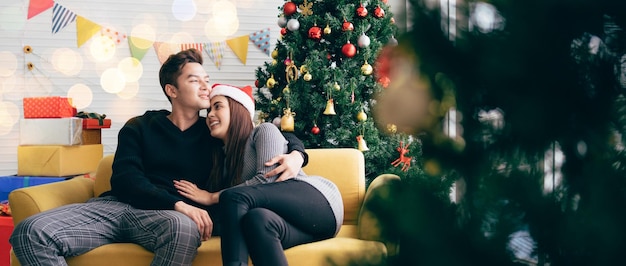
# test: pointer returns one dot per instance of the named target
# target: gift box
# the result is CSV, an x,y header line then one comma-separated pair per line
x,y
51,131
48,107
91,136
58,160
94,123
10,183
6,228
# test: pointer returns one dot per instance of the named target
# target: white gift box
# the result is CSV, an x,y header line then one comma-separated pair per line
x,y
51,131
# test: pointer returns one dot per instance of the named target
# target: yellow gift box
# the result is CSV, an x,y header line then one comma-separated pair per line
x,y
57,160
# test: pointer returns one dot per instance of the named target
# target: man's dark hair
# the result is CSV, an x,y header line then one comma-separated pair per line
x,y
172,67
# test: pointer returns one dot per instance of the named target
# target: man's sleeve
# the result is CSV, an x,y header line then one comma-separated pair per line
x,y
295,144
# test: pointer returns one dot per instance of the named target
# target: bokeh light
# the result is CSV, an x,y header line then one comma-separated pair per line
x,y
81,95
102,48
184,10
130,91
9,116
143,35
182,37
9,113
212,32
164,50
131,68
7,84
204,7
112,80
9,64
226,18
67,61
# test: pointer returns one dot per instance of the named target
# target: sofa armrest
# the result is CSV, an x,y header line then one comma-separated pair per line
x,y
28,201
378,198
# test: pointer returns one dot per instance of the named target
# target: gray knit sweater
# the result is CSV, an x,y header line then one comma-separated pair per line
x,y
265,143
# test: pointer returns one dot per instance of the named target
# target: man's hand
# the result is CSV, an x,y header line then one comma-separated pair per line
x,y
199,216
289,165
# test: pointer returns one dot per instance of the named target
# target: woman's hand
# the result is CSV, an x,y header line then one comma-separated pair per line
x,y
192,192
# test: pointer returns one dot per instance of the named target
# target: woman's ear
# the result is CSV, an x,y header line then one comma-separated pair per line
x,y
171,91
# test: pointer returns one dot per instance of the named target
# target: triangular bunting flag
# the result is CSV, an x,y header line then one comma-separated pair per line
x,y
164,50
138,47
239,46
85,29
261,40
216,52
61,16
114,35
35,7
198,46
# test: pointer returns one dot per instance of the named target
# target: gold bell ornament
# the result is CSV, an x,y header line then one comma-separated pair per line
x,y
271,82
286,122
330,108
307,77
361,116
366,69
362,143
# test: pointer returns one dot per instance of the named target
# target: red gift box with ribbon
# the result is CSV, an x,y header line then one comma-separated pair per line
x,y
48,107
6,228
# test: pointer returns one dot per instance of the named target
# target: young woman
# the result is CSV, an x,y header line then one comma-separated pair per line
x,y
260,218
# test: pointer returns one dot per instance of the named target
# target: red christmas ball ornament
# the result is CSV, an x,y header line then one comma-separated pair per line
x,y
348,50
289,8
379,12
283,31
361,11
385,1
347,26
256,83
315,130
315,33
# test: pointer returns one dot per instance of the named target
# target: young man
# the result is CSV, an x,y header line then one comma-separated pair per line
x,y
143,207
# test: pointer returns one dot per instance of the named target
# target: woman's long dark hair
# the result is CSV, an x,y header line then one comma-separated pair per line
x,y
227,166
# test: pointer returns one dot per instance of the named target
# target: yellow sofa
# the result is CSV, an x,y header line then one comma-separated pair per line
x,y
359,241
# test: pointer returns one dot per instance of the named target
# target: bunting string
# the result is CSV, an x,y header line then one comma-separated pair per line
x,y
86,29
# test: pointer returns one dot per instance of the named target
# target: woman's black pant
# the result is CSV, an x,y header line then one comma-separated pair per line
x,y
263,220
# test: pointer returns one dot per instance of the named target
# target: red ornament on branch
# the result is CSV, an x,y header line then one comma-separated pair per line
x,y
361,11
289,8
283,31
348,49
379,12
315,130
315,33
347,26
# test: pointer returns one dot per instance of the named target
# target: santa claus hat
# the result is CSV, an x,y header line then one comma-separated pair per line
x,y
241,95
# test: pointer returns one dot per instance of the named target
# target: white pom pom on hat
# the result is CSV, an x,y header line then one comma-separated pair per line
x,y
241,95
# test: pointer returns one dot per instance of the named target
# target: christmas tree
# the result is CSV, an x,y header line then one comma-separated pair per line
x,y
321,81
537,87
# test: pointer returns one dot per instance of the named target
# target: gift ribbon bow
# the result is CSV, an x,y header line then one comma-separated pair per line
x,y
98,116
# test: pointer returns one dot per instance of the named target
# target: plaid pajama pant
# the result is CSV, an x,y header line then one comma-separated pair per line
x,y
46,238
